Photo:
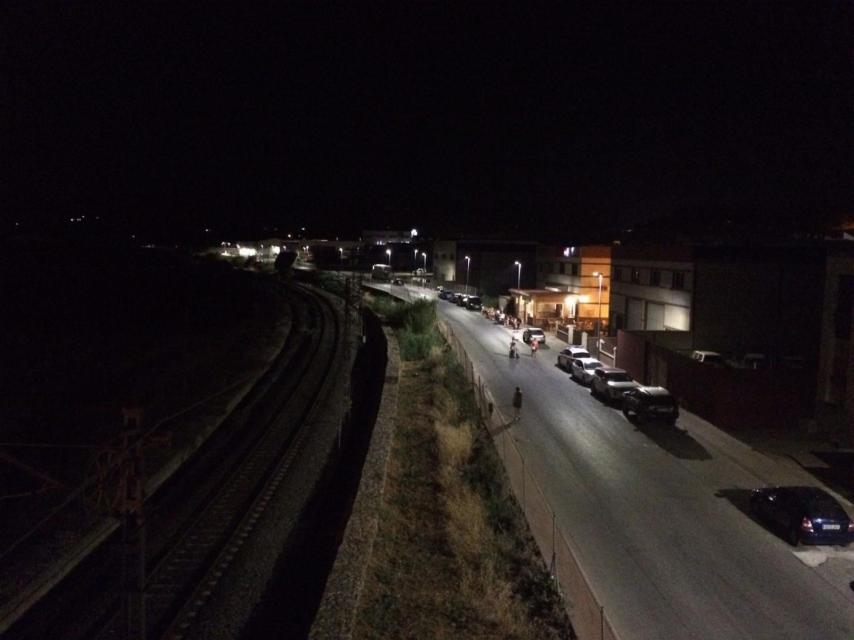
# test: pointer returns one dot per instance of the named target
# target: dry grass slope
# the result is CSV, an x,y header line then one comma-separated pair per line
x,y
453,558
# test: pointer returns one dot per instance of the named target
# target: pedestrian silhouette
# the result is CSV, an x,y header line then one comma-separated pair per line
x,y
517,403
534,346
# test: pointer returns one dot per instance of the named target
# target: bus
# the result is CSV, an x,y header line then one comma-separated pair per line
x,y
381,272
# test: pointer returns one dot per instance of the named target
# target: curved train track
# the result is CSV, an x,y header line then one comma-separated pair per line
x,y
208,510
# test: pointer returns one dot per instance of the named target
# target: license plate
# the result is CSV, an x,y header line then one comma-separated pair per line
x,y
831,527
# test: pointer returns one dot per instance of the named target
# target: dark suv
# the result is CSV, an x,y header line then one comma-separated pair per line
x,y
647,403
474,303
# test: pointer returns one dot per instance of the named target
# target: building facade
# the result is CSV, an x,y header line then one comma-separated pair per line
x,y
652,288
584,274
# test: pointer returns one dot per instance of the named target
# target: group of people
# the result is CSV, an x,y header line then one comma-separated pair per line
x,y
514,347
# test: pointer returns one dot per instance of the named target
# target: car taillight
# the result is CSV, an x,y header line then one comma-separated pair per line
x,y
851,527
806,525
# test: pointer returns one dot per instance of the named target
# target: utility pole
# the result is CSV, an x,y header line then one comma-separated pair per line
x,y
133,536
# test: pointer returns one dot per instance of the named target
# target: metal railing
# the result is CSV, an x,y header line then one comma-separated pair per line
x,y
585,610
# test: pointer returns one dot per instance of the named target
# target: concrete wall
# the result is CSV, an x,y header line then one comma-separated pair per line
x,y
445,261
735,399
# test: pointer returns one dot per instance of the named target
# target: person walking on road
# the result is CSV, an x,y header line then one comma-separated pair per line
x,y
517,404
535,344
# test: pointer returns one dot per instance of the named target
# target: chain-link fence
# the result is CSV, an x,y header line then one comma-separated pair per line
x,y
585,610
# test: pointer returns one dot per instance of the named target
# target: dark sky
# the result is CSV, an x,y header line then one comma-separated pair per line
x,y
478,116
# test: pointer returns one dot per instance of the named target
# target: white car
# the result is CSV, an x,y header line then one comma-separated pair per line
x,y
610,383
567,355
582,369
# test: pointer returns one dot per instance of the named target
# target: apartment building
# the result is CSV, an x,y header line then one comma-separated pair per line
x,y
584,273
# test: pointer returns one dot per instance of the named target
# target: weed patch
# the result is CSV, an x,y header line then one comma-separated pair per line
x,y
453,556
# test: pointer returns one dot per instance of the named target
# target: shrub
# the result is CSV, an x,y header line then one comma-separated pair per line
x,y
414,346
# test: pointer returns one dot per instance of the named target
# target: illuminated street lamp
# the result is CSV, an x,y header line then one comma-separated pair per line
x,y
518,275
599,316
468,266
424,255
414,258
388,253
341,253
424,276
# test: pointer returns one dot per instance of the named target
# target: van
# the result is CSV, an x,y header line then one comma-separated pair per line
x,y
708,357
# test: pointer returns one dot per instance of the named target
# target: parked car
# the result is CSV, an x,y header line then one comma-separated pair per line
x,y
499,317
447,295
610,383
459,299
749,361
708,357
803,514
647,403
534,332
398,282
567,355
474,303
582,369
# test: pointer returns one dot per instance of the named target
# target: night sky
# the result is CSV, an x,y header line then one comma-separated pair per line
x,y
168,118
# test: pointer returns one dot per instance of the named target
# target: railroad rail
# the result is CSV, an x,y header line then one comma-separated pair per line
x,y
204,514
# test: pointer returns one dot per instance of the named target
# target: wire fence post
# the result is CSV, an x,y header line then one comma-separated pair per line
x,y
553,567
601,622
524,473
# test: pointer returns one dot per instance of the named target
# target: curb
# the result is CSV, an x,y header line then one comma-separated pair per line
x,y
336,615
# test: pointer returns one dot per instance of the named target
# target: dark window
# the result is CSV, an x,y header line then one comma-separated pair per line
x,y
635,275
655,277
575,268
563,267
678,280
451,256
618,274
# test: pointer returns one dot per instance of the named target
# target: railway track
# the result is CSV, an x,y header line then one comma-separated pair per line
x,y
209,510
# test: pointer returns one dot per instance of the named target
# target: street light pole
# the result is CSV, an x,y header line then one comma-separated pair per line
x,y
424,275
388,253
468,266
599,317
414,259
518,275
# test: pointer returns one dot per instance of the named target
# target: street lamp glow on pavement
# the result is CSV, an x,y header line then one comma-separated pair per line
x,y
388,253
519,274
599,316
468,266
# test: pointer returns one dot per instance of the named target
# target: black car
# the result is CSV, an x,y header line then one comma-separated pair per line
x,y
803,514
474,303
447,295
645,403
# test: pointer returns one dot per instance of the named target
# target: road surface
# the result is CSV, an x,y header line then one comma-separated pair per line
x,y
657,515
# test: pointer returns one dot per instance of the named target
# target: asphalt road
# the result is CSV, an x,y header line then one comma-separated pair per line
x,y
657,516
